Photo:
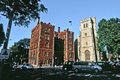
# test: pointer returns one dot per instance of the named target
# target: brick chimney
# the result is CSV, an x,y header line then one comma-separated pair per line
x,y
67,29
58,29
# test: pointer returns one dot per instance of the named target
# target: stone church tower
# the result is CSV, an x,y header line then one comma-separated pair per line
x,y
87,48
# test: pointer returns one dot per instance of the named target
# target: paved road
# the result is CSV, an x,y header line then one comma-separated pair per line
x,y
58,74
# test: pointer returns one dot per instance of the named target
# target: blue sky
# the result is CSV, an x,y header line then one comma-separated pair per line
x,y
60,12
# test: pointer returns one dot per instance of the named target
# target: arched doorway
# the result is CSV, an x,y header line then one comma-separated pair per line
x,y
87,55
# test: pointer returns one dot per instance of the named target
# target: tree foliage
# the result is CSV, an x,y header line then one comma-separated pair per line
x,y
109,35
21,11
2,35
19,51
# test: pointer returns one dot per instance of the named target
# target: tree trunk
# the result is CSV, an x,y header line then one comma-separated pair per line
x,y
94,41
7,34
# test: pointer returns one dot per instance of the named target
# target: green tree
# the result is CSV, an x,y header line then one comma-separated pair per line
x,y
20,12
2,35
19,51
109,35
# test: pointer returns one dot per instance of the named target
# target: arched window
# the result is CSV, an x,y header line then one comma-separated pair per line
x,y
87,55
83,25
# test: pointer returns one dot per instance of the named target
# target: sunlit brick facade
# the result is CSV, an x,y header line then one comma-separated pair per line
x,y
41,50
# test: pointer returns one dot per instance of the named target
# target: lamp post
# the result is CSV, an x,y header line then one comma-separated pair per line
x,y
94,41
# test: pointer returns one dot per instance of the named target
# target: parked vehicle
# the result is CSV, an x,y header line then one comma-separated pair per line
x,y
86,66
25,66
117,67
68,65
107,66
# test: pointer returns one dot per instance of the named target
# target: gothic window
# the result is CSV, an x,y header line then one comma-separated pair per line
x,y
87,55
86,24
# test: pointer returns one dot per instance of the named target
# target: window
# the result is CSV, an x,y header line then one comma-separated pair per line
x,y
46,54
86,24
85,34
70,47
71,42
86,43
64,37
47,30
70,55
45,61
47,45
70,35
47,37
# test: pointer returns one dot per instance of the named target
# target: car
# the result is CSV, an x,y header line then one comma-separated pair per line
x,y
107,65
68,66
117,67
86,66
25,66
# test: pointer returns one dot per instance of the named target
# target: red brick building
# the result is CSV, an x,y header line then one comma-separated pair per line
x,y
42,45
68,37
